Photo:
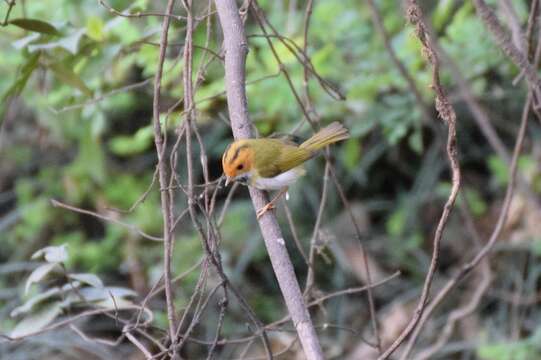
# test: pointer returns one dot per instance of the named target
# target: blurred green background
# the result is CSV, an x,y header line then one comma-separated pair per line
x,y
76,127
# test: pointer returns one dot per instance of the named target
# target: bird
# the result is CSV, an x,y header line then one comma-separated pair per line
x,y
275,163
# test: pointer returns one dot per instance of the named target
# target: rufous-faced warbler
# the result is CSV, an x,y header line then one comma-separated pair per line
x,y
273,164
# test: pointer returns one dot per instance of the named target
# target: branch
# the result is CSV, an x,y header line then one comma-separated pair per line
x,y
481,256
235,60
448,115
275,325
480,286
485,250
132,228
505,42
159,140
10,4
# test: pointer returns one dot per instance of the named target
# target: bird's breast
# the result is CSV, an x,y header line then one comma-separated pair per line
x,y
279,181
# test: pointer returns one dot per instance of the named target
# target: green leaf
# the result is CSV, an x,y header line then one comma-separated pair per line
x,y
39,274
351,153
130,145
499,170
37,321
94,28
35,25
415,141
27,69
519,350
396,222
442,13
362,127
66,75
476,203
89,279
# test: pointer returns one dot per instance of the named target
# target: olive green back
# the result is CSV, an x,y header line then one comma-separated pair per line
x,y
274,156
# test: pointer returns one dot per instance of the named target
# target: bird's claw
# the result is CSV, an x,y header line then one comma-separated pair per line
x,y
264,209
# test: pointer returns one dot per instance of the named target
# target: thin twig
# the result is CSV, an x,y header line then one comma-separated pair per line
x,y
310,277
111,219
505,42
504,210
221,316
448,115
138,14
159,141
378,23
479,289
294,234
11,4
275,324
138,344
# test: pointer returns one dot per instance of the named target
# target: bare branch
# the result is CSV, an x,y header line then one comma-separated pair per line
x,y
235,59
130,227
448,115
505,42
159,141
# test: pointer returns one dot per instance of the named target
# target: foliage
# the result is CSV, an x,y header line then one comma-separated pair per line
x,y
69,290
76,111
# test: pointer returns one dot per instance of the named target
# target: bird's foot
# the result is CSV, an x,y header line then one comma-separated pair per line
x,y
264,209
271,203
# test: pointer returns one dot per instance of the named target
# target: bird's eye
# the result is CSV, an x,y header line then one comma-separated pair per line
x,y
240,167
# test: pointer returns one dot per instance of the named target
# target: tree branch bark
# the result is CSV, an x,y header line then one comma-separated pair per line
x,y
236,49
159,140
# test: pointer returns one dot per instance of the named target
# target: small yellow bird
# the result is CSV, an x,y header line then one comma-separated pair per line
x,y
273,164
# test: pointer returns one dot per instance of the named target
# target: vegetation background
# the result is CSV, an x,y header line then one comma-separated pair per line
x,y
78,169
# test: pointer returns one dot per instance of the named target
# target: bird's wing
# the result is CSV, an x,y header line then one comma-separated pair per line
x,y
279,157
286,138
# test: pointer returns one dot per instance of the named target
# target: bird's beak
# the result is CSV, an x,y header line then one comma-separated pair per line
x,y
227,180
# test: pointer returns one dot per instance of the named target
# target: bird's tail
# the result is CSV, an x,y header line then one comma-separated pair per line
x,y
328,135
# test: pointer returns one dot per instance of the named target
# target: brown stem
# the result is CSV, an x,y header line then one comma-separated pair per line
x,y
448,115
159,141
505,42
236,48
469,266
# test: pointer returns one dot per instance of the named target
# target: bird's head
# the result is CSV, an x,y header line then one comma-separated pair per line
x,y
238,162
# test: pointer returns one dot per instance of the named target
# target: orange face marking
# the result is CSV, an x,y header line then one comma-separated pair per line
x,y
238,159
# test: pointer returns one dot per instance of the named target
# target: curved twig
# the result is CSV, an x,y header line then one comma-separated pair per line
x,y
448,115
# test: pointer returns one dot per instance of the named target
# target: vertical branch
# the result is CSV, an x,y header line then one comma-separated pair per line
x,y
505,42
480,286
159,141
306,72
532,20
481,256
310,277
502,218
235,60
208,238
10,4
448,115
188,99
